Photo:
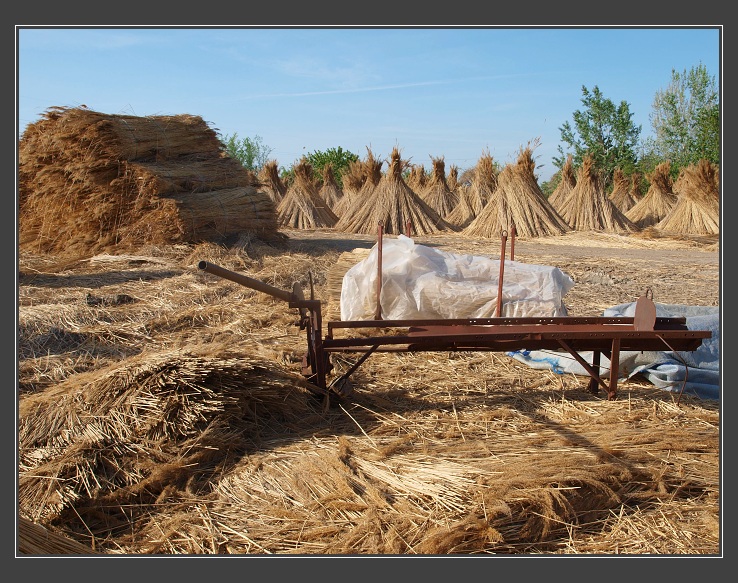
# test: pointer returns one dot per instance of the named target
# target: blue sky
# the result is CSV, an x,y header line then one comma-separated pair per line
x,y
455,93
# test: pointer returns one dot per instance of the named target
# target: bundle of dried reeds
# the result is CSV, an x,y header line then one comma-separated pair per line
x,y
587,207
271,182
352,179
437,193
697,209
463,213
302,207
518,201
393,203
658,200
34,539
565,186
453,177
329,191
91,182
129,433
622,191
417,179
482,182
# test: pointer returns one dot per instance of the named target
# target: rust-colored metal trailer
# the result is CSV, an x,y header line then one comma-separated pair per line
x,y
599,335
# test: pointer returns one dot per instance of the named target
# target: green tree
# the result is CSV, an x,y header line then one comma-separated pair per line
x,y
251,152
338,157
605,131
686,120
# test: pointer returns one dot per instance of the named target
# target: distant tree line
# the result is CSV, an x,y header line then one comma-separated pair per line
x,y
685,120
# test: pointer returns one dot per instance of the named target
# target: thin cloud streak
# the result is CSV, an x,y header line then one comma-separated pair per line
x,y
382,87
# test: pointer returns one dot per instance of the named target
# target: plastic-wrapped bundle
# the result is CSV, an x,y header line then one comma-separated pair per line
x,y
420,282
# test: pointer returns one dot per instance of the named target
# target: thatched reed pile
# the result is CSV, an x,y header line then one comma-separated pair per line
x,y
329,191
697,209
35,539
474,196
658,200
393,203
302,207
565,186
622,195
134,433
587,207
519,201
271,182
453,177
353,179
437,192
91,182
417,179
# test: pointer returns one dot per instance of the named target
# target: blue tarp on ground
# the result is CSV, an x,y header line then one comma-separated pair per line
x,y
666,370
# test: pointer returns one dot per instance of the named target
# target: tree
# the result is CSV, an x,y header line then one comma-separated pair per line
x,y
686,119
604,131
251,152
338,157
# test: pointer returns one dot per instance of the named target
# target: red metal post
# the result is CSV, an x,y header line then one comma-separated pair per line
x,y
408,228
378,311
498,311
513,232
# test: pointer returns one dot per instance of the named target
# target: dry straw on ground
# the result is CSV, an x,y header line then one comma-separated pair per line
x,y
519,201
187,429
658,200
587,207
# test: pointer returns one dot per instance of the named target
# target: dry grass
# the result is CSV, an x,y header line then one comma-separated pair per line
x,y
178,423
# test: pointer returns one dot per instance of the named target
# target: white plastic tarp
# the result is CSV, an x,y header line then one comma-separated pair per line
x,y
667,370
420,282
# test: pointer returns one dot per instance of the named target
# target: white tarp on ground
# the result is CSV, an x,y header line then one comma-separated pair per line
x,y
420,282
667,370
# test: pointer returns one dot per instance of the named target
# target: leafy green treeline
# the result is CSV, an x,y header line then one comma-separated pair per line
x,y
685,120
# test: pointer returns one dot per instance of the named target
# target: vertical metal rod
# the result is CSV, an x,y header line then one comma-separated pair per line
x,y
408,228
498,311
614,369
513,232
378,311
